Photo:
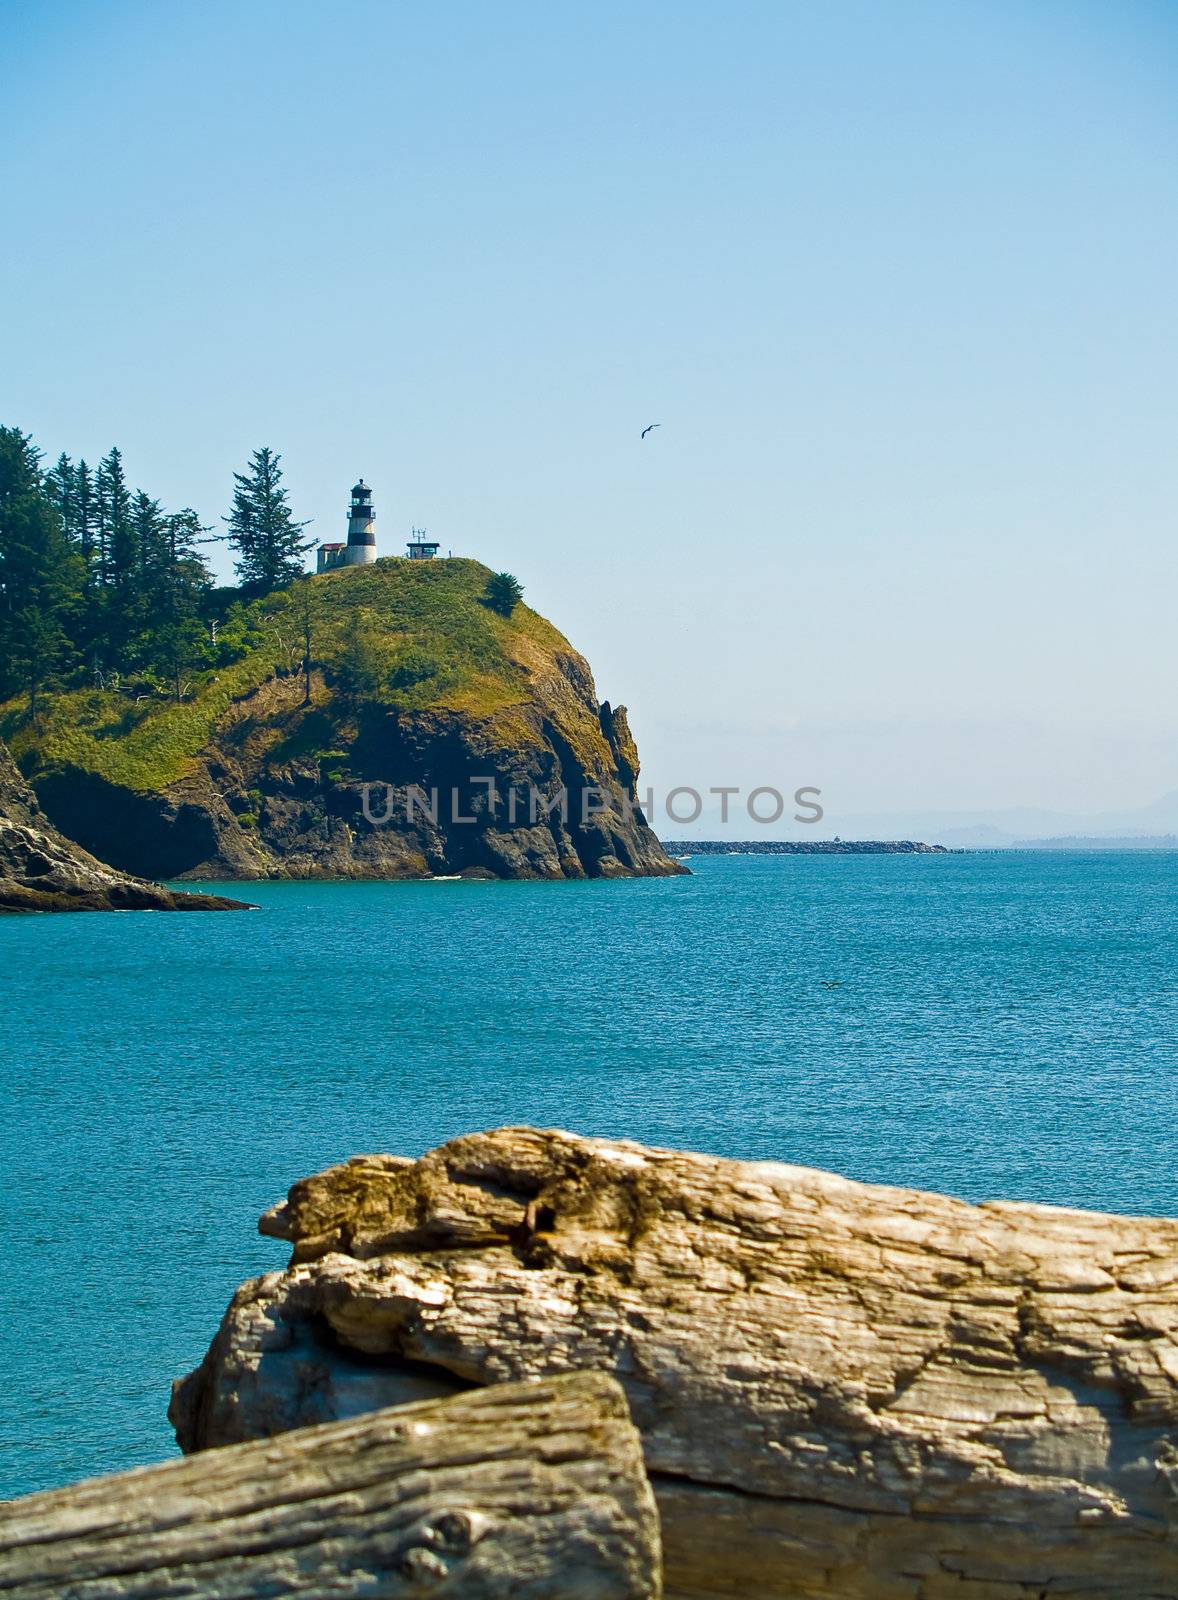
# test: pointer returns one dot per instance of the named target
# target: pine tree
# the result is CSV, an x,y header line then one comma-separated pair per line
x,y
364,657
178,648
180,642
83,534
119,556
149,535
139,581
40,574
186,532
503,593
113,614
85,515
71,489
189,580
61,487
262,529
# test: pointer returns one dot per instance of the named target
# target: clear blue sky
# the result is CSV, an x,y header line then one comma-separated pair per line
x,y
897,280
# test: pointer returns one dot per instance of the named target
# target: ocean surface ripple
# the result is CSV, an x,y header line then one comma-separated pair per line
x,y
992,1025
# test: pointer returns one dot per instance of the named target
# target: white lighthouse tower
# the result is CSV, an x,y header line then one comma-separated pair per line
x,y
361,546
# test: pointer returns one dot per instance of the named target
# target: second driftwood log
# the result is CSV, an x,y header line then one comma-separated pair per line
x,y
521,1492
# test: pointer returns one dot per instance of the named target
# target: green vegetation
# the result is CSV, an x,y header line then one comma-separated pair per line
x,y
415,635
101,587
503,593
142,743
262,529
412,636
120,657
41,574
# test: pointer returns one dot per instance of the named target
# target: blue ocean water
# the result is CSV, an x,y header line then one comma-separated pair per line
x,y
993,1025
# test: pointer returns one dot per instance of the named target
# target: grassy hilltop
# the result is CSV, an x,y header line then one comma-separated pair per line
x,y
411,635
415,683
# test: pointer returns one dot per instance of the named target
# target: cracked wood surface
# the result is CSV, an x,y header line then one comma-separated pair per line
x,y
842,1390
533,1491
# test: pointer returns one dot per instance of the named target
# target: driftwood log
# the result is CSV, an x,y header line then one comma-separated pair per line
x,y
843,1391
529,1491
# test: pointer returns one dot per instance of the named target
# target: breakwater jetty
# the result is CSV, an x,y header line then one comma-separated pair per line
x,y
803,847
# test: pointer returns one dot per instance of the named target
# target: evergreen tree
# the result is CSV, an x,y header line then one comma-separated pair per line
x,y
503,593
90,571
40,574
138,591
116,613
179,648
180,582
85,515
150,540
61,487
364,657
186,532
82,529
119,556
262,529
102,518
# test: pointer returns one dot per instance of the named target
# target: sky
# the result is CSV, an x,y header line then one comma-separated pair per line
x,y
897,283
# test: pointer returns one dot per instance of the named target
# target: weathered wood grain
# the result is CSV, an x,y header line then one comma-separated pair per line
x,y
843,1391
534,1491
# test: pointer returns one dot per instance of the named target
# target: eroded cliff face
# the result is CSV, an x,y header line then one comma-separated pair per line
x,y
843,1390
345,787
42,871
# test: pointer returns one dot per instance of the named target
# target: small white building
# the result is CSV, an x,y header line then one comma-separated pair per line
x,y
420,548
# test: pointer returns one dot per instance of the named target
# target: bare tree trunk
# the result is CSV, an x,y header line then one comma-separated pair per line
x,y
527,1491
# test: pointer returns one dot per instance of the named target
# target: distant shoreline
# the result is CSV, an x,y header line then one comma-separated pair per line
x,y
804,847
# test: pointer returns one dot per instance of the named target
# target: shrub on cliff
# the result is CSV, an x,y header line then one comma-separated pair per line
x,y
503,593
371,664
364,659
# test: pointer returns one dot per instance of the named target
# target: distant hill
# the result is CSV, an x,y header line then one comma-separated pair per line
x,y
1143,841
415,684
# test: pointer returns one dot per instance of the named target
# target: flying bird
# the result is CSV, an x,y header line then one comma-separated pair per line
x,y
646,430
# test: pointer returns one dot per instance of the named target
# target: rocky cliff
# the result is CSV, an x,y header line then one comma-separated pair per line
x,y
42,871
432,736
844,1392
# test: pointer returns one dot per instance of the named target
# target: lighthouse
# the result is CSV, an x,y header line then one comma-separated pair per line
x,y
361,546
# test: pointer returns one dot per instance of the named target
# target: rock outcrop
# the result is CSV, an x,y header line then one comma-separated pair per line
x,y
522,1492
844,1392
42,871
415,795
493,757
